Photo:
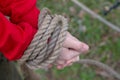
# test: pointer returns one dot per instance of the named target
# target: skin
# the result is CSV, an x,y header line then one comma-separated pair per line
x,y
70,51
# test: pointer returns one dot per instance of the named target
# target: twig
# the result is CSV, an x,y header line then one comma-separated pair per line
x,y
108,69
96,15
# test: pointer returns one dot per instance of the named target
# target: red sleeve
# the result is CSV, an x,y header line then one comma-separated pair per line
x,y
16,34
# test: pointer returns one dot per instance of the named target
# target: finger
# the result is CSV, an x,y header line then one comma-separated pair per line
x,y
60,61
60,64
68,54
84,46
68,63
72,43
59,67
72,54
75,59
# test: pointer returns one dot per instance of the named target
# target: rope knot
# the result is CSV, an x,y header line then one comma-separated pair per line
x,y
41,52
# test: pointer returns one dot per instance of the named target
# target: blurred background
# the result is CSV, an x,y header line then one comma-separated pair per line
x,y
104,42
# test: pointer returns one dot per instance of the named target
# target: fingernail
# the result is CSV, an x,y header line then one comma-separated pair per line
x,y
85,47
69,61
59,67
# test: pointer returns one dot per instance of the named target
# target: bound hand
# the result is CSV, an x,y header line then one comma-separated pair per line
x,y
70,51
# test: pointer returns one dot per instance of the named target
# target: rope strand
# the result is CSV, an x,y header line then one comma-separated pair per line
x,y
42,52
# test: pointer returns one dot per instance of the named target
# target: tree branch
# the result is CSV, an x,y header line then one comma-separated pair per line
x,y
96,15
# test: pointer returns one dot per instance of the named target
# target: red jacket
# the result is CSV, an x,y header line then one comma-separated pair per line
x,y
17,32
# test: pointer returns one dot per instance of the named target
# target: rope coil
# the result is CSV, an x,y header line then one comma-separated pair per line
x,y
41,53
47,42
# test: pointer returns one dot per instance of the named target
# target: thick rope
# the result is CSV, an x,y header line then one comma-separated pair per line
x,y
103,66
41,53
46,45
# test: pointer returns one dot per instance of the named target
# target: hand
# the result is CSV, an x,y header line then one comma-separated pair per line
x,y
70,52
